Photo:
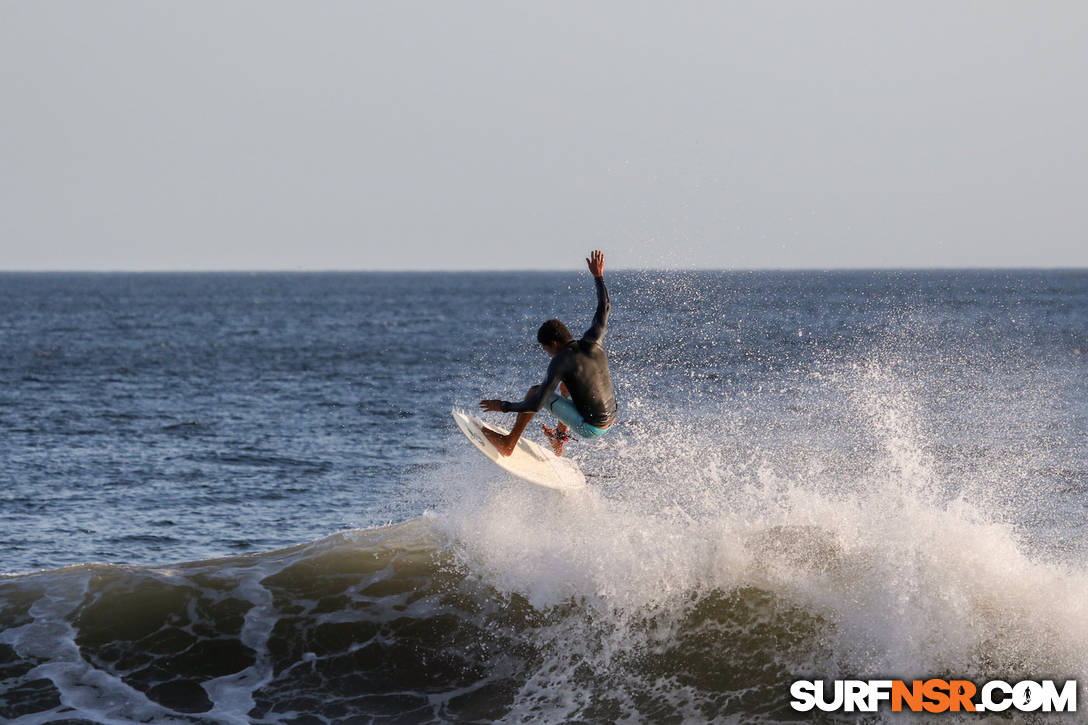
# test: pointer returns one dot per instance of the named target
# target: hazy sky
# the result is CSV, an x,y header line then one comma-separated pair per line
x,y
453,135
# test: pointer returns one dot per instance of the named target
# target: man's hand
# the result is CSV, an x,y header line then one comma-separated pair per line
x,y
491,406
595,261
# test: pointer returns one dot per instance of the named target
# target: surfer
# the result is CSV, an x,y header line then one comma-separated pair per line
x,y
587,405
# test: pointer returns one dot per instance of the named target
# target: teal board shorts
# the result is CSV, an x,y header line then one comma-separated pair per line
x,y
563,409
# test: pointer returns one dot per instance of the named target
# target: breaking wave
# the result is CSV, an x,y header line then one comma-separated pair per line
x,y
710,563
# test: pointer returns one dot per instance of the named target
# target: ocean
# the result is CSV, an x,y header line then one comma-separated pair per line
x,y
235,498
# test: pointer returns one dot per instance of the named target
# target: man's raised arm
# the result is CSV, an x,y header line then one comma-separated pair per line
x,y
595,262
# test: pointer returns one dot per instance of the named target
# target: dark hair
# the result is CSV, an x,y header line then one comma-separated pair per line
x,y
553,331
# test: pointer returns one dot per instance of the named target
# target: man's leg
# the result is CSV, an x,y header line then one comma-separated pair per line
x,y
561,427
557,436
506,443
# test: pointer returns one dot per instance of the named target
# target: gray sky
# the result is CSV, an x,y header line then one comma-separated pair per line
x,y
479,135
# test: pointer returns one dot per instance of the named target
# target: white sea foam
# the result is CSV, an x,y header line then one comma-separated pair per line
x,y
912,568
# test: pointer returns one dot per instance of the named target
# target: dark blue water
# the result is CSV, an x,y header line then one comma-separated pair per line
x,y
158,417
876,417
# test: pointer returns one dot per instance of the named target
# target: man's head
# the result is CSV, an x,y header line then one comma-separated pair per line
x,y
552,336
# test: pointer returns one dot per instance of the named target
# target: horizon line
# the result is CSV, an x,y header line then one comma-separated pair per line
x,y
523,270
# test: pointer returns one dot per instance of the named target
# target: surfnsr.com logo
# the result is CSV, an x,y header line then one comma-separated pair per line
x,y
933,695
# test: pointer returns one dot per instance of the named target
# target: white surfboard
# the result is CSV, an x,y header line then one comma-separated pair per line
x,y
529,461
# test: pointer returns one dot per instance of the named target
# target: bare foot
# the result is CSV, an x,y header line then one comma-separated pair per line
x,y
554,439
499,441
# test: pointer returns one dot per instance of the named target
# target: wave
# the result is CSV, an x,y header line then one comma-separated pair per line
x,y
690,582
538,607
389,622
